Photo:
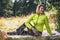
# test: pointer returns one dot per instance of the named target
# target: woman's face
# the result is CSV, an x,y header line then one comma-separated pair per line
x,y
41,9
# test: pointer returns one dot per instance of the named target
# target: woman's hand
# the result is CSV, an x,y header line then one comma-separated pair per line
x,y
35,31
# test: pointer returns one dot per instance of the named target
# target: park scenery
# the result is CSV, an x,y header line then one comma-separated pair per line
x,y
13,13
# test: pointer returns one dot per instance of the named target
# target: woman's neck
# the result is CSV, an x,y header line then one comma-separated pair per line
x,y
40,13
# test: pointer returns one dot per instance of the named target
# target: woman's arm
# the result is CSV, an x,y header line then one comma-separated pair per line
x,y
47,25
27,23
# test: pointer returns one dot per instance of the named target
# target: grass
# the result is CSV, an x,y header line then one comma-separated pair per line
x,y
36,38
12,23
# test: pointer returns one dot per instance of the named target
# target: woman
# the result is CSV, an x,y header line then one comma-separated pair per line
x,y
39,19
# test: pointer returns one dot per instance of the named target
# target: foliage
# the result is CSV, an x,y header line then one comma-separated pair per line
x,y
23,7
8,8
5,7
56,5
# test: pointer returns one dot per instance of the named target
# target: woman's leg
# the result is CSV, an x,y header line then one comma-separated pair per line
x,y
39,33
30,32
18,31
33,34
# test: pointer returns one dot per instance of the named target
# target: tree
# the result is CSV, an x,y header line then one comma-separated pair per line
x,y
5,7
23,7
15,8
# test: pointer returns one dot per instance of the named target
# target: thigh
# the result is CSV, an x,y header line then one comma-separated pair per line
x,y
20,30
30,32
21,27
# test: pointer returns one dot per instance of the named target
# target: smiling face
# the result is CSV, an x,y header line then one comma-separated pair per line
x,y
41,10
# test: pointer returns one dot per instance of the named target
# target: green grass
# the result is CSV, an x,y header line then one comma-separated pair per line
x,y
36,38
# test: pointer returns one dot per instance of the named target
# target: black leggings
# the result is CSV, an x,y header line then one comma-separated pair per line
x,y
21,31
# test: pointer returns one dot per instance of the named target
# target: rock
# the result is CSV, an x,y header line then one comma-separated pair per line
x,y
3,35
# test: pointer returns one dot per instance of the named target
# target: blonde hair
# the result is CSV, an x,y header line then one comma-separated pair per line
x,y
38,6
